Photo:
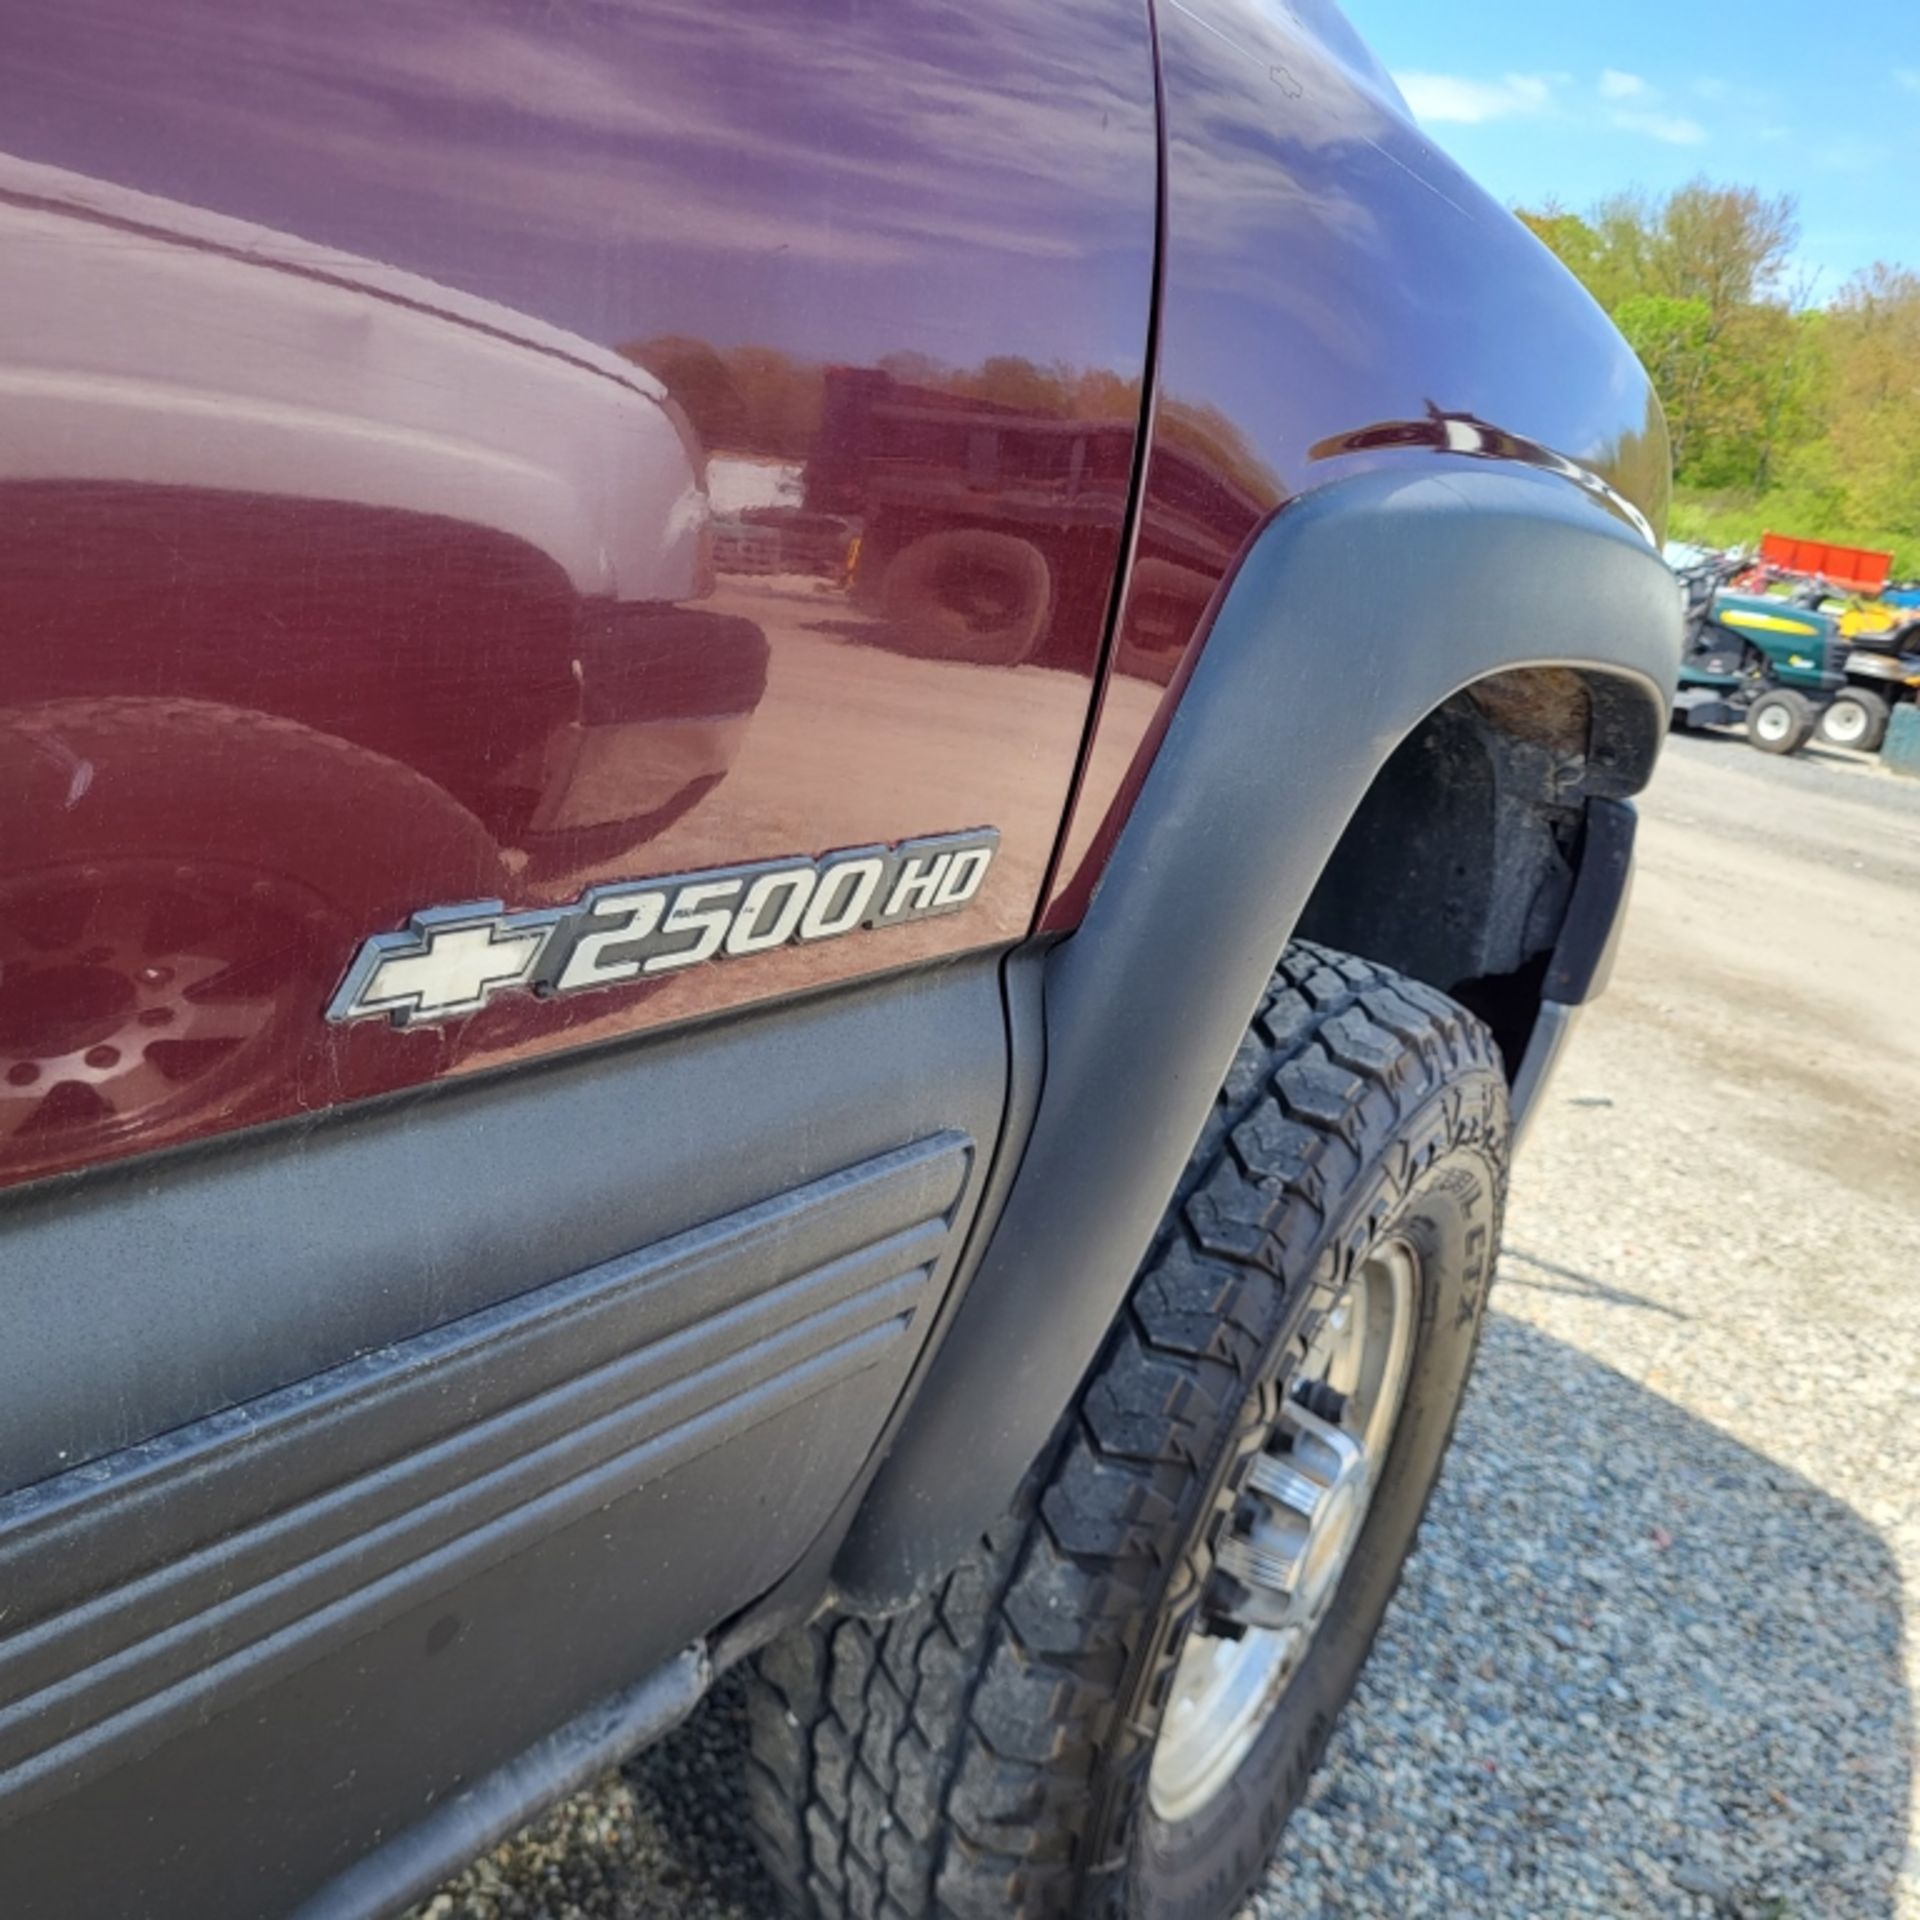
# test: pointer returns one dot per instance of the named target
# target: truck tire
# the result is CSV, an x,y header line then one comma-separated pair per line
x,y
1857,718
1780,721
200,874
970,594
1037,1735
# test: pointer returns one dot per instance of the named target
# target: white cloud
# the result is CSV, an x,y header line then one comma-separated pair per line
x,y
1452,98
1633,105
1621,100
1673,128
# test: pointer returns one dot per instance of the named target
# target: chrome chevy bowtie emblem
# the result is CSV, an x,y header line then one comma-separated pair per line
x,y
452,960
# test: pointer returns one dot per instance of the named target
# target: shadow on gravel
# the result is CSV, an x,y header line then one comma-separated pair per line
x,y
662,1839
1634,1668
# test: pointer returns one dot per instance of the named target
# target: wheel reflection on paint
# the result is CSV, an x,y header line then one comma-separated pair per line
x,y
135,996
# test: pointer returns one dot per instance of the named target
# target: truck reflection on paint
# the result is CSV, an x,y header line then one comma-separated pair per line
x,y
197,841
956,510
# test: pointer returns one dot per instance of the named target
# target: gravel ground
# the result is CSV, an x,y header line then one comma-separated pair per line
x,y
1652,1656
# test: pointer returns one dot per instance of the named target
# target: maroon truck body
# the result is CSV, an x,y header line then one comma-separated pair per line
x,y
467,454
355,563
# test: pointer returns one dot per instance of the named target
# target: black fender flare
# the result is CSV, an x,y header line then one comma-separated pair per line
x,y
1356,611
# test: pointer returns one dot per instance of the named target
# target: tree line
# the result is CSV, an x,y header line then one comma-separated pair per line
x,y
1786,412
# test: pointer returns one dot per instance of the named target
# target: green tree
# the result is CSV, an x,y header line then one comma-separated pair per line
x,y
1605,251
1724,246
1674,339
1782,413
1568,237
1875,333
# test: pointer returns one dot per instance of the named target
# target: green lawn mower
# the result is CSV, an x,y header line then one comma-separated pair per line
x,y
1881,664
1774,667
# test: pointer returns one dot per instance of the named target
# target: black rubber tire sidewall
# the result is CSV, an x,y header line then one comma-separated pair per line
x,y
915,596
1197,1866
228,786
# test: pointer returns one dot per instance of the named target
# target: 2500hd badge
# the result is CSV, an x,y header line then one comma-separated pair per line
x,y
453,960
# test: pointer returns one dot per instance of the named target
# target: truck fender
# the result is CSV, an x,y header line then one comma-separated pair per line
x,y
1355,611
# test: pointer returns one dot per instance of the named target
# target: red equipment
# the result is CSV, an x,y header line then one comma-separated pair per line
x,y
1858,569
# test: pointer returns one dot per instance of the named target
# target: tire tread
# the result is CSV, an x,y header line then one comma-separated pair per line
x,y
939,1762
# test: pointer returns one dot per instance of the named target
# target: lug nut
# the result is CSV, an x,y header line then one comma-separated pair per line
x,y
1329,1403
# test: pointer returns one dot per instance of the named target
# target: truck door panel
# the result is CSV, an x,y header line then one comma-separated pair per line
x,y
486,458
556,450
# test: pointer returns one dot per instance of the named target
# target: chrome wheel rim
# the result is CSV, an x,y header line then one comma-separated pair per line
x,y
1292,1531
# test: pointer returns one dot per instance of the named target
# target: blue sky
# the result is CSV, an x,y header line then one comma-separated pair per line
x,y
1539,97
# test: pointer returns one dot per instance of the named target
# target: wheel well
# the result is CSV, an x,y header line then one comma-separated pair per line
x,y
1459,862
